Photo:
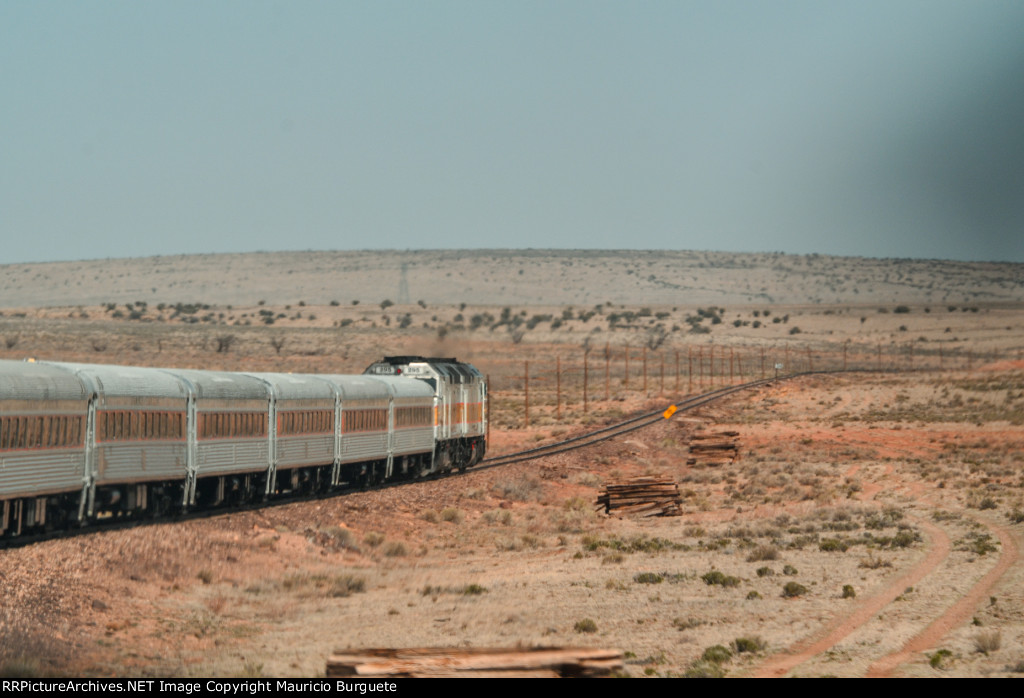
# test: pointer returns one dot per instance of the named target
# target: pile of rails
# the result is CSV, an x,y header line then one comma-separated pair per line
x,y
462,662
713,448
641,496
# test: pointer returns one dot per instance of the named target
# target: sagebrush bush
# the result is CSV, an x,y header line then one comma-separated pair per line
x,y
793,589
988,641
586,625
718,654
763,553
451,515
704,670
718,577
752,643
648,578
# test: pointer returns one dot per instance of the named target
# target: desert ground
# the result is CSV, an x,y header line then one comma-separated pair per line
x,y
871,525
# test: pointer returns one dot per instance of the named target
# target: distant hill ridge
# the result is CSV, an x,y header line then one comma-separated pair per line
x,y
510,277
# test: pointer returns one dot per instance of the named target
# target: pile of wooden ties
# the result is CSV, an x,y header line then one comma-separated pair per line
x,y
463,662
641,496
713,448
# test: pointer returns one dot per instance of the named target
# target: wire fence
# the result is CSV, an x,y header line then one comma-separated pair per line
x,y
585,384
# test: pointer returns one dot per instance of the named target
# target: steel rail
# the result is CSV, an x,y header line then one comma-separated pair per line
x,y
619,428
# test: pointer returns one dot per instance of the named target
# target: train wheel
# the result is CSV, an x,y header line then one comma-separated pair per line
x,y
370,478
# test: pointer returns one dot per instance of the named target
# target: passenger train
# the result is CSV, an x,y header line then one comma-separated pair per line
x,y
82,442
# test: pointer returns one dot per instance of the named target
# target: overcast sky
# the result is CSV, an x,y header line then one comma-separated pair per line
x,y
882,129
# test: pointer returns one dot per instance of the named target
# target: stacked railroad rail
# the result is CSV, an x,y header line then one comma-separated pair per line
x,y
641,496
475,662
713,448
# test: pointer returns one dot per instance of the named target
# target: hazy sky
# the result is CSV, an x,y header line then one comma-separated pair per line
x,y
883,129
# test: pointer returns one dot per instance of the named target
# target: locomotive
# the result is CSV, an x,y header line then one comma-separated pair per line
x,y
85,442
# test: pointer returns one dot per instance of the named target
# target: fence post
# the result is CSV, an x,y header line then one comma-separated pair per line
x,y
586,375
526,393
558,388
700,366
607,372
643,355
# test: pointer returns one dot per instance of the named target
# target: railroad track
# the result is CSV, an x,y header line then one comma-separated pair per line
x,y
621,428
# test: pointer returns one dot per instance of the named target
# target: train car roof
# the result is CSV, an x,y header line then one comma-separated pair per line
x,y
26,380
297,386
406,387
223,385
129,381
359,387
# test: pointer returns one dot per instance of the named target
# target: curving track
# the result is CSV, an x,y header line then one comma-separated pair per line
x,y
620,428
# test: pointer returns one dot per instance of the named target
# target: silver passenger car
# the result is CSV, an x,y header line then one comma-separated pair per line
x,y
137,434
44,411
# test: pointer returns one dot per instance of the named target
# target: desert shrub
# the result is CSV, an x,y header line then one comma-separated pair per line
x,y
686,623
523,489
748,644
451,514
430,516
473,590
789,571
753,596
719,654
793,589
763,553
718,577
395,549
832,545
648,578
502,516
904,539
704,670
988,641
345,585
849,592
936,659
373,539
977,543
586,625
873,563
